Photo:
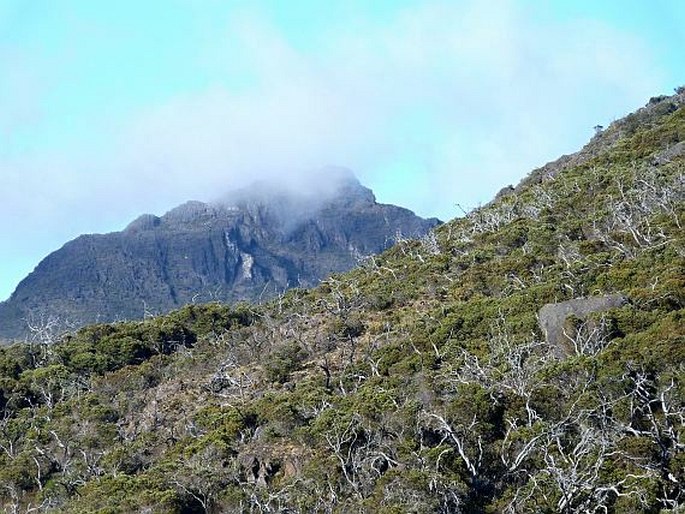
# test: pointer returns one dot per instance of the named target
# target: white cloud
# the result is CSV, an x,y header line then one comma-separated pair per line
x,y
474,93
502,92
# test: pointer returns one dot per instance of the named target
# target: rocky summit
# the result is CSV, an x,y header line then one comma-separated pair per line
x,y
252,244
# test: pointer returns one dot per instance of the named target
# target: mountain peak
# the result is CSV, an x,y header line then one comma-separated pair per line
x,y
255,242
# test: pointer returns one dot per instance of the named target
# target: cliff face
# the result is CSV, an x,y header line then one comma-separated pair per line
x,y
253,244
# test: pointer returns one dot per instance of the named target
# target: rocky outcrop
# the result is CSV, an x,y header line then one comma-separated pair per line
x,y
669,154
553,318
262,464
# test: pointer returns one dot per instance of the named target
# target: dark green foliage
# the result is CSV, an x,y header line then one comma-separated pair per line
x,y
283,361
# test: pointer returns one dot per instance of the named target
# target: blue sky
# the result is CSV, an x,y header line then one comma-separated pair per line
x,y
111,109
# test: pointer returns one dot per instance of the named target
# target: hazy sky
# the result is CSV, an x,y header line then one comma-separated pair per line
x,y
109,109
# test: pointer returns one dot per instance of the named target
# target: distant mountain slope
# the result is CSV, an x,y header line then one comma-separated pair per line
x,y
528,358
254,243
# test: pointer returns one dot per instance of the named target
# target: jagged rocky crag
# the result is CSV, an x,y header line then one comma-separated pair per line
x,y
250,245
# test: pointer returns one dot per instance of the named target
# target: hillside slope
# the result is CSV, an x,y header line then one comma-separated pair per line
x,y
255,243
420,382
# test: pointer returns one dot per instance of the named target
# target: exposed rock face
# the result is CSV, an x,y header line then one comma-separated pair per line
x,y
255,243
553,316
669,154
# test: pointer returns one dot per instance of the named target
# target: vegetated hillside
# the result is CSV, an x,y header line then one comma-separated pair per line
x,y
252,245
420,382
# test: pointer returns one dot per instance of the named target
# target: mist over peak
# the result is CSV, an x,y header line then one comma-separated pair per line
x,y
317,185
290,199
285,201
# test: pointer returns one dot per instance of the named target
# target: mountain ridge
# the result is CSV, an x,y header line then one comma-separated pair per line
x,y
251,244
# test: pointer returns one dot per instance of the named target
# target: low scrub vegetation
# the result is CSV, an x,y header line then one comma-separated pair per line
x,y
420,382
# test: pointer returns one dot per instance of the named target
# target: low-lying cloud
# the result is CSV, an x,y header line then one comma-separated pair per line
x,y
441,105
474,90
